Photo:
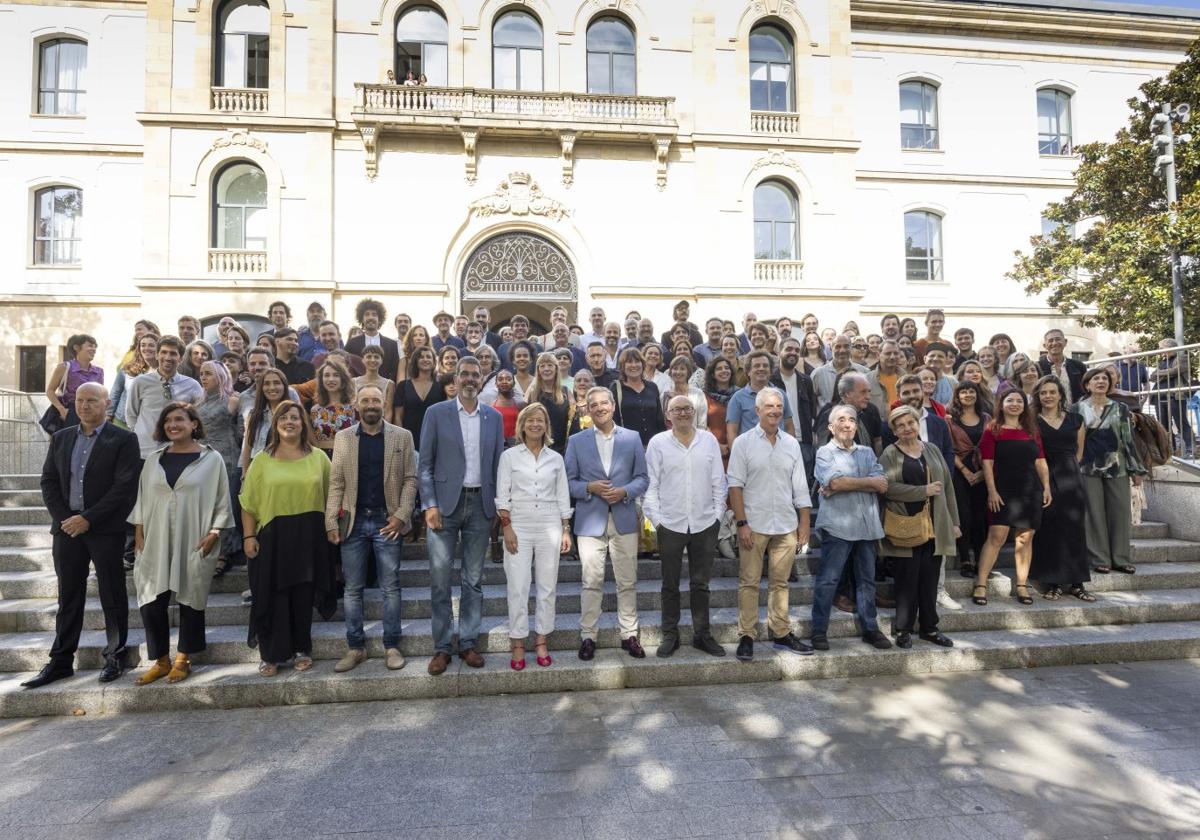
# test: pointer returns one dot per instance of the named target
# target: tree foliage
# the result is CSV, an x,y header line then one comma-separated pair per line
x,y
1111,248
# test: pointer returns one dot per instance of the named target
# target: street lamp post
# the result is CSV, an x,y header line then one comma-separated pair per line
x,y
1164,165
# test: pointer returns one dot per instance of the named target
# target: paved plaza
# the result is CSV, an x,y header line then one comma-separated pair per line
x,y
1082,751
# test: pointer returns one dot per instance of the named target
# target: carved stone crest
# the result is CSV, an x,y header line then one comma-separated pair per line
x,y
773,7
239,138
776,158
519,195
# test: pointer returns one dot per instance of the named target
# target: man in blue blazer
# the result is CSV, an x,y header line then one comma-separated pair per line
x,y
606,470
461,441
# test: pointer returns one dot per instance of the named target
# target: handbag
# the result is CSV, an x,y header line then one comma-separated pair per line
x,y
909,531
51,420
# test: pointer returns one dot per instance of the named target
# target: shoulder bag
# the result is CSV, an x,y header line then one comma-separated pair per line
x,y
909,531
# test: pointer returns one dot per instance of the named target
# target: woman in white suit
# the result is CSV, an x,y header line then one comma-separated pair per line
x,y
533,502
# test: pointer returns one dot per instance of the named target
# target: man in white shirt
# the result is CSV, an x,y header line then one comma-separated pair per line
x,y
768,493
151,392
684,502
596,336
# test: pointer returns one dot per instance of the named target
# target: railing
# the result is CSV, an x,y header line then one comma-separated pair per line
x,y
23,444
398,100
774,122
778,272
228,261
1162,382
243,100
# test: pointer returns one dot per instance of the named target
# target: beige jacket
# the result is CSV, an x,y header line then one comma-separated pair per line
x,y
399,475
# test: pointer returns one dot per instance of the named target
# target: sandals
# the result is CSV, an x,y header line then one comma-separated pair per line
x,y
1125,569
160,668
267,669
517,661
1081,593
221,568
981,600
1052,594
180,670
303,662
1022,599
543,654
1101,570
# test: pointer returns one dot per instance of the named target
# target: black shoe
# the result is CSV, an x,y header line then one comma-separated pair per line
x,y
967,570
793,577
114,666
790,642
904,640
938,638
745,649
634,648
52,672
709,645
877,639
587,650
820,641
669,645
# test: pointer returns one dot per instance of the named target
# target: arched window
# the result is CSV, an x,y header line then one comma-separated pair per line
x,y
1054,122
776,232
918,115
517,52
62,64
243,44
240,208
57,226
923,246
771,69
611,57
422,37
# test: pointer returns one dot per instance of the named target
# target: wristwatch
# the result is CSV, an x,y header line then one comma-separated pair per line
x,y
741,522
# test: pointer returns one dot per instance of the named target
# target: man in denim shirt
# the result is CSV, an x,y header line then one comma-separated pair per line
x,y
848,522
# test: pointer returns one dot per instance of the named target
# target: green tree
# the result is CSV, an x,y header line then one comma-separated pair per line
x,y
1117,258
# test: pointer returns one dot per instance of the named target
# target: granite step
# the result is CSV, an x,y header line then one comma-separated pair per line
x,y
239,685
25,536
227,643
20,498
27,481
34,516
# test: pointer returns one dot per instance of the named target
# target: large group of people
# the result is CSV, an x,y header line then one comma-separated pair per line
x,y
307,457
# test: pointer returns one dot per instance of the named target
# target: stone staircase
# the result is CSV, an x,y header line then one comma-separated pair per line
x,y
1154,614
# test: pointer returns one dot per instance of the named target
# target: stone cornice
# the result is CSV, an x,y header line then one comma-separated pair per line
x,y
1024,23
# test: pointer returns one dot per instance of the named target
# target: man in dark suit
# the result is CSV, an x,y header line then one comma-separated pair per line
x,y
461,442
483,315
1055,363
89,485
370,314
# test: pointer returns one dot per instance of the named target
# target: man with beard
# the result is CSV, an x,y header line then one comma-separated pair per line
x,y
884,378
798,388
331,339
370,314
706,352
483,317
309,334
681,312
372,489
826,375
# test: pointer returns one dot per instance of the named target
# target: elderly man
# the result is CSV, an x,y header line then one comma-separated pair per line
x,y
853,390
596,336
1069,372
684,502
824,377
748,320
848,523
768,492
89,485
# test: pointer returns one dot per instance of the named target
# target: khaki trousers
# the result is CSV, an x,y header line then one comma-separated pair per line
x,y
781,555
1108,520
621,549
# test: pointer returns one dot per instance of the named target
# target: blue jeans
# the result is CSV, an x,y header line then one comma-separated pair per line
x,y
474,526
356,554
835,553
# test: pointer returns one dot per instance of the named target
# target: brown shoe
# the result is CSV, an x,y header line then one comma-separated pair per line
x,y
439,663
472,658
843,603
884,602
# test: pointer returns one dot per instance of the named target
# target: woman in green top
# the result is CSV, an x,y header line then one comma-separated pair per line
x,y
283,517
1110,462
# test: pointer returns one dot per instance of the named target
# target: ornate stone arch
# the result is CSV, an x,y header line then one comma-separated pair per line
x,y
389,13
492,9
779,11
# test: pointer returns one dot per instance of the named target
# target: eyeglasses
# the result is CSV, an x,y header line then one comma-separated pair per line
x,y
858,345
683,410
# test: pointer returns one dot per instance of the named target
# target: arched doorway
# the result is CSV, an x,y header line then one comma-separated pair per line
x,y
520,272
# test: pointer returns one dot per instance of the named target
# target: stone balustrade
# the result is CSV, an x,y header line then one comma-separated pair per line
x,y
774,122
778,272
240,100
232,261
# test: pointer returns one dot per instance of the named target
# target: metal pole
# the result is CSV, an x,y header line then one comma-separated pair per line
x,y
1169,177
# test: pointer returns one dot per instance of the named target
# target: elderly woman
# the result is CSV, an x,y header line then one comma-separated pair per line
x,y
181,508
680,372
919,484
1110,463
533,503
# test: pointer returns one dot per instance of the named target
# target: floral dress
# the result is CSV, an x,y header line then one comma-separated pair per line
x,y
328,420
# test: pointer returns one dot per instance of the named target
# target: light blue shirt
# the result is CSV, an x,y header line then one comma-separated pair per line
x,y
740,409
850,515
468,423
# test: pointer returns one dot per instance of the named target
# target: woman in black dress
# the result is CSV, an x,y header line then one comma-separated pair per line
x,y
1057,560
967,418
638,403
547,389
1018,487
418,391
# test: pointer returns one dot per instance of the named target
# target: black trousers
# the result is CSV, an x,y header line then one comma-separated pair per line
x,y
72,557
158,627
916,589
701,549
291,624
972,517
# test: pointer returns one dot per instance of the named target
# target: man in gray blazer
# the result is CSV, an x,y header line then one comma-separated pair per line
x,y
461,442
606,470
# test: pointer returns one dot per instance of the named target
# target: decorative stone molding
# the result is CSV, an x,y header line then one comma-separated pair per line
x,y
662,150
776,158
519,195
370,138
781,8
567,140
469,136
239,138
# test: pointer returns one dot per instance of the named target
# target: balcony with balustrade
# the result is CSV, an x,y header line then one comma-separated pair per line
x,y
778,272
240,100
230,262
382,109
775,122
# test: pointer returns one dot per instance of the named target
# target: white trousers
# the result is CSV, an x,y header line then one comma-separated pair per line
x,y
622,550
539,538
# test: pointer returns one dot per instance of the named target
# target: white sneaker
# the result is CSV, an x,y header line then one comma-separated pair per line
x,y
946,602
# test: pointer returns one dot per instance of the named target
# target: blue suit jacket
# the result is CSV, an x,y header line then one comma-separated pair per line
x,y
939,436
628,471
442,465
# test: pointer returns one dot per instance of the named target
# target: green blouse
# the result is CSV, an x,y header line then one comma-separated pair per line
x,y
1108,450
274,487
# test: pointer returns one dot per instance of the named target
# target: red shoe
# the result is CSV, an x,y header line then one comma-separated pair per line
x,y
517,664
544,661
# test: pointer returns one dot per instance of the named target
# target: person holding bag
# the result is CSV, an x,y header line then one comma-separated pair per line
x,y
920,525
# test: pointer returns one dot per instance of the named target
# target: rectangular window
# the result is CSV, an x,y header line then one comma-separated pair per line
x,y
61,77
504,72
58,222
435,64
531,69
258,59
598,75
31,376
